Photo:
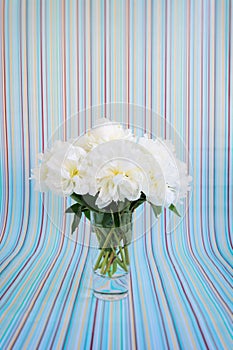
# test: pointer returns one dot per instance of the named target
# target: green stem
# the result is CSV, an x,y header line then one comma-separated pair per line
x,y
98,260
100,236
119,262
124,267
108,238
122,255
109,262
100,264
104,263
127,260
110,272
114,267
118,239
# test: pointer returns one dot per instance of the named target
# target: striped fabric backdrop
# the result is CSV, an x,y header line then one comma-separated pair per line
x,y
172,57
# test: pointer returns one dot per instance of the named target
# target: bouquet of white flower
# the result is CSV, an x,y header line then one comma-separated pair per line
x,y
109,172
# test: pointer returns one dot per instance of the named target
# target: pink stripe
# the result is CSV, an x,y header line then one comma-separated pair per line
x,y
133,310
93,327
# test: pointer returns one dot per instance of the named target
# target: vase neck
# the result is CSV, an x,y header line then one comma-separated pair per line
x,y
116,219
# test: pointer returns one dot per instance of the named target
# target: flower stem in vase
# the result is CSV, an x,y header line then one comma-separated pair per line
x,y
127,260
109,262
102,271
97,265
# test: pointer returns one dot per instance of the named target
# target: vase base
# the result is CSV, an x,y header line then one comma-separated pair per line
x,y
111,288
110,296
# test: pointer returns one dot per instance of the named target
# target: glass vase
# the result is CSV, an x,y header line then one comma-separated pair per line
x,y
111,235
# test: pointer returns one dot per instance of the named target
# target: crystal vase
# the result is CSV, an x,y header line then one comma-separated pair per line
x,y
111,235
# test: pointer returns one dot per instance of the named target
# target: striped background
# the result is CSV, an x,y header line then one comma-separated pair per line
x,y
172,57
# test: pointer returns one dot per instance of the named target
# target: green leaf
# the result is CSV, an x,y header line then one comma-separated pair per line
x,y
77,198
107,220
73,208
76,221
156,209
174,210
87,213
138,202
86,200
116,219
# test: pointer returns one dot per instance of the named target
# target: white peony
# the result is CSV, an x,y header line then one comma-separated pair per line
x,y
104,131
116,171
118,180
155,191
39,173
108,163
174,171
60,169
